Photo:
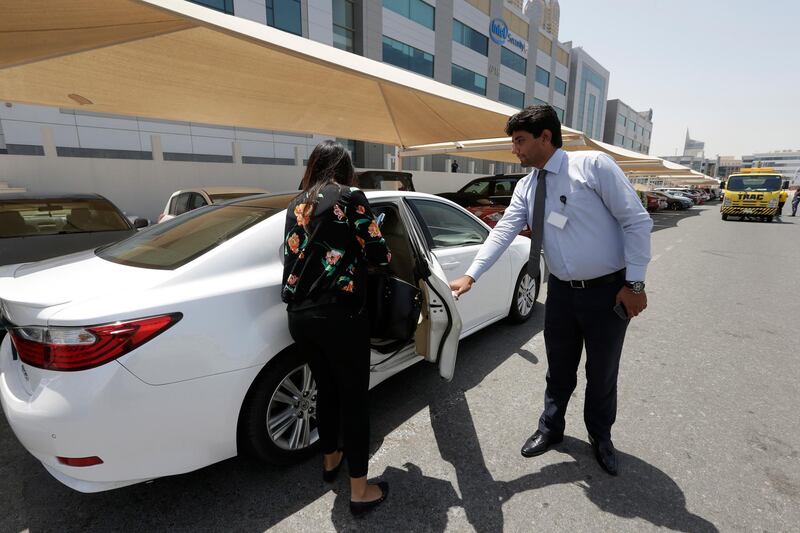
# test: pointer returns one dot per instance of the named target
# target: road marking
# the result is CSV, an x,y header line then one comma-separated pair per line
x,y
655,258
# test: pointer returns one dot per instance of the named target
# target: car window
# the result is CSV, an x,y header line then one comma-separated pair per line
x,y
56,216
179,204
225,196
447,226
478,188
504,187
178,241
195,200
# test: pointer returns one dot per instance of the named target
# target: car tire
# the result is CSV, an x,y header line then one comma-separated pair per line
x,y
278,420
724,216
523,301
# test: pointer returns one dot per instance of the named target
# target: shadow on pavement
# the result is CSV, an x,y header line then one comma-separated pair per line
x,y
670,219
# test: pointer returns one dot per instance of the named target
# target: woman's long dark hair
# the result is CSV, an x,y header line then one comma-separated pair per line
x,y
328,163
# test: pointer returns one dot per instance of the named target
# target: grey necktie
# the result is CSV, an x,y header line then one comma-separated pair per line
x,y
537,230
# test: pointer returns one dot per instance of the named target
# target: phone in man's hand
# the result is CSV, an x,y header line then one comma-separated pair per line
x,y
621,311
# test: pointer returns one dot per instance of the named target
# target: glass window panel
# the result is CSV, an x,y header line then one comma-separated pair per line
x,y
560,86
470,38
407,57
512,96
343,39
448,226
513,61
415,10
560,113
542,76
226,6
285,15
466,79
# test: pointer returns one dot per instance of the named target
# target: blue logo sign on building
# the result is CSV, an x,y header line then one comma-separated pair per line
x,y
498,30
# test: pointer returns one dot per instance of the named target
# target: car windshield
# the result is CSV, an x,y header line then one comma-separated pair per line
x,y
763,182
385,181
478,188
57,216
176,242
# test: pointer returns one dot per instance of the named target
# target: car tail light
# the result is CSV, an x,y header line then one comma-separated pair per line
x,y
80,461
71,349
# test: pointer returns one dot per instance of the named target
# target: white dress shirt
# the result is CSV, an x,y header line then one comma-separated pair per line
x,y
607,226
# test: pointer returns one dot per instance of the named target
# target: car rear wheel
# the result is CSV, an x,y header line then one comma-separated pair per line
x,y
523,301
279,419
724,216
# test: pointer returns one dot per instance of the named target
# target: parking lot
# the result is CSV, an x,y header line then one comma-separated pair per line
x,y
708,390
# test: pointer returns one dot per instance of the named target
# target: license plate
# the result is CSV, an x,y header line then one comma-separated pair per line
x,y
748,211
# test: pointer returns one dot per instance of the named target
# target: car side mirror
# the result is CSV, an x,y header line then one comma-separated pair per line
x,y
785,185
140,223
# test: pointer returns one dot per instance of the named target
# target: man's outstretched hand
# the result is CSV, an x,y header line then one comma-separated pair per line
x,y
461,285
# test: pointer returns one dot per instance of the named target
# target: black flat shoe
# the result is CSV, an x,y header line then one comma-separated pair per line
x,y
606,455
329,476
538,443
361,508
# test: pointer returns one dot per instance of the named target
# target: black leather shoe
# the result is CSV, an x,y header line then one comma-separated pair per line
x,y
329,476
361,508
538,443
606,455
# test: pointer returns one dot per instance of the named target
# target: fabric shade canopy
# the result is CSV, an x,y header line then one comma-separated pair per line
x,y
174,60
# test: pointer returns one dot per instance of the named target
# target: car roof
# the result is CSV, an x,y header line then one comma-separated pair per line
x,y
276,199
222,190
50,196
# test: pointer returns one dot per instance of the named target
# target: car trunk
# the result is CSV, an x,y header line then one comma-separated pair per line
x,y
29,248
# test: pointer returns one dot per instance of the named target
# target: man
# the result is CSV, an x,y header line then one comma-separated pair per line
x,y
596,238
795,201
454,166
782,197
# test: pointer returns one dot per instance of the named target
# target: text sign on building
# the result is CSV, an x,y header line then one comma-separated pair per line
x,y
498,31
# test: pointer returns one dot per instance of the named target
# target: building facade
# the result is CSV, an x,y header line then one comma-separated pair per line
x,y
588,83
787,162
727,165
628,128
489,47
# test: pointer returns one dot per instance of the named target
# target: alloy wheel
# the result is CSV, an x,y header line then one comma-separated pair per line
x,y
292,411
526,294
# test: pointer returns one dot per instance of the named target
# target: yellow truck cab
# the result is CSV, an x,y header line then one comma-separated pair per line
x,y
753,193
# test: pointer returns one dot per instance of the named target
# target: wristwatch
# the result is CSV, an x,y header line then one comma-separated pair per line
x,y
636,287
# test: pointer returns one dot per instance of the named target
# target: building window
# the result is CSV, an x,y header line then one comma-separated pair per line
x,y
542,76
513,61
545,44
621,120
344,29
415,10
226,6
619,140
539,101
634,128
560,86
466,79
512,96
407,57
285,15
470,38
560,113
590,120
562,56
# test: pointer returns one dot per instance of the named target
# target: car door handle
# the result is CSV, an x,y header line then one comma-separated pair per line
x,y
450,266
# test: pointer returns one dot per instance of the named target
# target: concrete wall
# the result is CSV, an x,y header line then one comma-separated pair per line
x,y
142,187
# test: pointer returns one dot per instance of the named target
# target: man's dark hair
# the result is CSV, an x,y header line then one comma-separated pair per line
x,y
535,119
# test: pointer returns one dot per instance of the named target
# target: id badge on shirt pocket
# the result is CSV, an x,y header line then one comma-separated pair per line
x,y
557,219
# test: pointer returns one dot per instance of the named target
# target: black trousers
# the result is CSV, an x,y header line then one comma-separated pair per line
x,y
575,318
336,342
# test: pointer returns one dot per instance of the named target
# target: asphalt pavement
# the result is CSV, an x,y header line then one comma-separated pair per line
x,y
707,426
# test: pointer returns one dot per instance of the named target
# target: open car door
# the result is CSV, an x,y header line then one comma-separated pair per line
x,y
439,328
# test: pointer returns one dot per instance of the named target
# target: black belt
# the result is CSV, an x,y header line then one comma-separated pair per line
x,y
619,275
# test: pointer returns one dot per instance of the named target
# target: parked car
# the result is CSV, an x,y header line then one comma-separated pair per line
x,y
385,180
40,226
655,202
170,350
186,200
674,202
487,197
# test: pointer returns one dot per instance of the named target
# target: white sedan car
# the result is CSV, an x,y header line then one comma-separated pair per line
x,y
170,350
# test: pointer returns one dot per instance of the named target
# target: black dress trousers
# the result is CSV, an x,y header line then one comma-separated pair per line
x,y
575,318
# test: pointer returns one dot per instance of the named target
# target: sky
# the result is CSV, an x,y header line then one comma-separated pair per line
x,y
728,70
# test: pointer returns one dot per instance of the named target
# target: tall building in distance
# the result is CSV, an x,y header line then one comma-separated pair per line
x,y
586,105
628,128
787,162
727,165
693,156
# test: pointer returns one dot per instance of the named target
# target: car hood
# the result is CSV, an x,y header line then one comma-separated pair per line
x,y
37,291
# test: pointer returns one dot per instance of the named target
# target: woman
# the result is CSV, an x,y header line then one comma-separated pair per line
x,y
331,235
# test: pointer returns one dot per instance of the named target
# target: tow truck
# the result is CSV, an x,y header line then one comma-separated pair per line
x,y
753,193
